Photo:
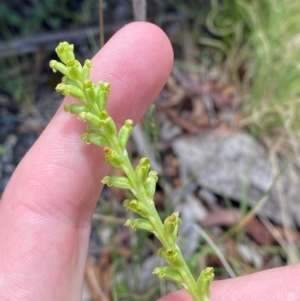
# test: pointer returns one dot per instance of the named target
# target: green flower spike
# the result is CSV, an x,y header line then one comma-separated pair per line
x,y
141,181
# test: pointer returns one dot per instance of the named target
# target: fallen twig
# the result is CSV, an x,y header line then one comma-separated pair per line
x,y
48,40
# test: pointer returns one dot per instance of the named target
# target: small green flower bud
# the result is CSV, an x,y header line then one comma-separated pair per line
x,y
87,84
71,63
101,100
85,72
61,88
126,203
88,116
141,170
137,207
70,90
90,94
57,66
104,87
65,51
75,71
150,183
111,157
174,258
124,133
102,91
204,281
95,139
107,124
140,223
75,108
90,128
171,225
162,253
115,181
65,80
169,274
68,81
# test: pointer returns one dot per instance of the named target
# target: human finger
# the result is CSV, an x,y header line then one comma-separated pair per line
x,y
276,284
46,209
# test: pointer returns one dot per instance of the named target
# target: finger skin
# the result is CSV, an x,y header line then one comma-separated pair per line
x,y
279,284
46,209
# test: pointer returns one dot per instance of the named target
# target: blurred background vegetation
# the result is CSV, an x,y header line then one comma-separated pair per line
x,y
256,41
252,46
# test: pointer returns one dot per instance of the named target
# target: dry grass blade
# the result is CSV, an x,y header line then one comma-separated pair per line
x,y
109,219
291,255
139,10
216,250
279,238
262,38
101,23
93,280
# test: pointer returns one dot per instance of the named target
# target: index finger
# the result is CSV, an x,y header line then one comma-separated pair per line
x,y
60,169
46,209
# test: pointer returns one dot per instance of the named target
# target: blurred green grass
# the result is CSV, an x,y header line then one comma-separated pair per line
x,y
262,38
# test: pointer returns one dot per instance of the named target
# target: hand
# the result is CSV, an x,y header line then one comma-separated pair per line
x,y
280,284
47,207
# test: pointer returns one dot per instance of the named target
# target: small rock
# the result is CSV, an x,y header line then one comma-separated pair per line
x,y
230,164
207,196
251,255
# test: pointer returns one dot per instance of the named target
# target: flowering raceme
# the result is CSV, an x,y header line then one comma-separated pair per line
x,y
141,181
